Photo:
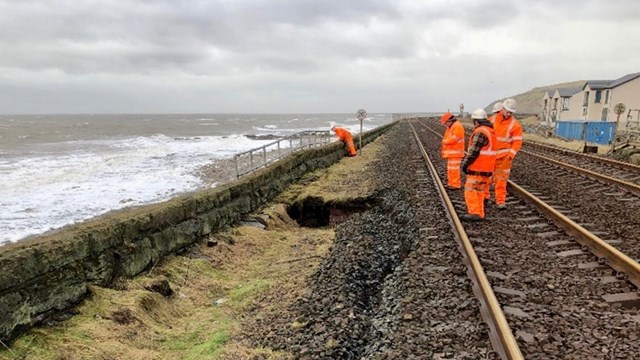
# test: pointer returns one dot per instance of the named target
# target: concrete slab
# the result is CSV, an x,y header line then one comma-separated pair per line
x,y
547,234
628,299
511,292
560,242
591,265
608,279
497,275
574,252
515,311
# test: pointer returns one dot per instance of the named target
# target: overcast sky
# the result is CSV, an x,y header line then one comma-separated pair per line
x,y
309,56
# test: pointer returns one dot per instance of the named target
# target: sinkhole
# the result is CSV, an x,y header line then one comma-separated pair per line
x,y
314,211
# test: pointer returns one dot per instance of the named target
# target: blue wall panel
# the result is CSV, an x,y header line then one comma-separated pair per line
x,y
570,129
597,132
600,132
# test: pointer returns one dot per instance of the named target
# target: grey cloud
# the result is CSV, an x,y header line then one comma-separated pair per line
x,y
311,53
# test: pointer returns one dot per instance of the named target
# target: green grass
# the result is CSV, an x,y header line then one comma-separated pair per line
x,y
211,349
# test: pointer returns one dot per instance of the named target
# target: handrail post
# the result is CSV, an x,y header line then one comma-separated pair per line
x,y
235,159
264,155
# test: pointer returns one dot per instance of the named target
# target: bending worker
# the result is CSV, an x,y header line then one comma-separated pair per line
x,y
478,165
509,136
345,136
452,149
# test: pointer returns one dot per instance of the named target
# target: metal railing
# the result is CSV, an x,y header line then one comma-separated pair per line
x,y
251,160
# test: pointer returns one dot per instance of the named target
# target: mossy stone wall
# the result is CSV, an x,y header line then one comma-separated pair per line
x,y
47,274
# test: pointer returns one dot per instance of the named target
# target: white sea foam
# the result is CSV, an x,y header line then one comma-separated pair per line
x,y
116,161
90,178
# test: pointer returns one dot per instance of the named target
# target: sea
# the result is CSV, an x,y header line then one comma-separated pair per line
x,y
57,170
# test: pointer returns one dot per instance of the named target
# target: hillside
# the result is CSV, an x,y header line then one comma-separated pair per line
x,y
530,102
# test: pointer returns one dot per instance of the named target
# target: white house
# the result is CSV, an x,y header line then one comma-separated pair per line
x,y
564,103
596,101
625,90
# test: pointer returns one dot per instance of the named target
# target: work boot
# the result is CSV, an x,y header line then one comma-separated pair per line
x,y
470,217
502,206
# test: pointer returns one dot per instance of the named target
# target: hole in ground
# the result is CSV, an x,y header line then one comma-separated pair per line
x,y
314,212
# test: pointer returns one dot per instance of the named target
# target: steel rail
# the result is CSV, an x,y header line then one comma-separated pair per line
x,y
630,186
601,159
500,333
614,257
599,247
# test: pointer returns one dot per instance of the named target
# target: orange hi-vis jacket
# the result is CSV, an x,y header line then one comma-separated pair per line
x,y
345,136
486,161
509,136
453,141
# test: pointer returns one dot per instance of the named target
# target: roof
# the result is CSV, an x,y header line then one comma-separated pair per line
x,y
624,79
568,92
597,84
551,92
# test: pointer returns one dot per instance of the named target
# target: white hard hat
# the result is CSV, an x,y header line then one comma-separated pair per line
x,y
510,104
497,107
479,114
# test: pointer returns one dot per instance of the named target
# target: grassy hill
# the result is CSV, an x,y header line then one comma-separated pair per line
x,y
530,102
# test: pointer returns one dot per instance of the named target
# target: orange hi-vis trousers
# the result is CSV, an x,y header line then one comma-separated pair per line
x,y
474,190
351,148
500,177
453,172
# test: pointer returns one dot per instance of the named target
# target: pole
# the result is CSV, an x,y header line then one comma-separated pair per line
x,y
360,140
615,134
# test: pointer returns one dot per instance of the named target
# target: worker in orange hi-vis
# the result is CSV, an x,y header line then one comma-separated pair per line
x,y
345,136
452,149
495,110
478,164
509,137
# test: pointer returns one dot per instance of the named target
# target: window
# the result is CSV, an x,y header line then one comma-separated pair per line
x,y
565,103
585,102
598,96
605,114
545,103
584,111
606,97
555,103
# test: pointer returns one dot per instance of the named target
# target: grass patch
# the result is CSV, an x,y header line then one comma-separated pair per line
x,y
212,287
211,349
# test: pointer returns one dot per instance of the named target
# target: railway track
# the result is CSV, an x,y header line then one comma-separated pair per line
x,y
501,336
624,175
560,300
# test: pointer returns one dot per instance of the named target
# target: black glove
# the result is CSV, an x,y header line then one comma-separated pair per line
x,y
465,167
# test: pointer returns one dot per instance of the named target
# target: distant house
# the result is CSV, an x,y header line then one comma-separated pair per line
x,y
546,106
626,90
565,103
595,101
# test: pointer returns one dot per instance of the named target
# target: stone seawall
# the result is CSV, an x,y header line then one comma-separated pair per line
x,y
44,275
